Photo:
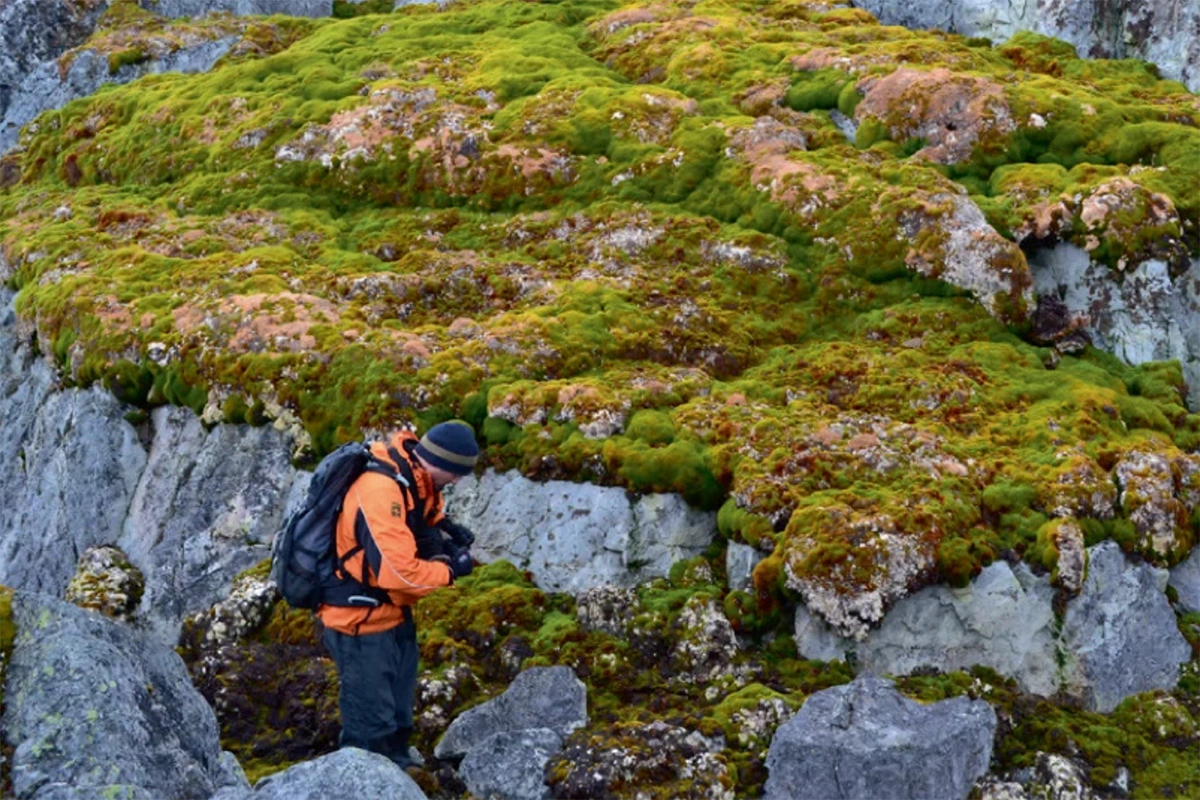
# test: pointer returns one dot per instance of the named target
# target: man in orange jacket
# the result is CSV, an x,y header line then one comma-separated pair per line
x,y
391,539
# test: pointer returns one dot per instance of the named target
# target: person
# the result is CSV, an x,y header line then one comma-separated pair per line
x,y
392,539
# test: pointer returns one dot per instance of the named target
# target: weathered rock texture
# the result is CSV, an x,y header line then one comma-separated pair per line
x,y
95,709
575,536
47,87
1144,314
1164,32
206,508
1185,578
349,774
34,31
1005,620
510,765
865,739
199,8
540,697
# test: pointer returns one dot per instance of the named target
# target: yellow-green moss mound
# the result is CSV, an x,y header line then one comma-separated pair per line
x,y
673,246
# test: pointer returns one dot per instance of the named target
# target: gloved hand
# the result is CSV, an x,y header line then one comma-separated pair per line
x,y
461,563
461,535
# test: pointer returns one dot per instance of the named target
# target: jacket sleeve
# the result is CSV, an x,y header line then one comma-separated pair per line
x,y
382,510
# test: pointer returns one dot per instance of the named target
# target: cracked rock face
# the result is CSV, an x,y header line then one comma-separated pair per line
x,y
1163,32
1146,313
865,739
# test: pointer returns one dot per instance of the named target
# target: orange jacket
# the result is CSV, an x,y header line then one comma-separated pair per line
x,y
377,502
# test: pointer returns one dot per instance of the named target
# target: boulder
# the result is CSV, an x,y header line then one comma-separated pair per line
x,y
347,774
1185,579
866,740
47,86
96,709
69,472
740,561
106,582
206,508
1122,610
34,31
540,697
1145,314
1005,620
1164,32
574,537
240,8
510,765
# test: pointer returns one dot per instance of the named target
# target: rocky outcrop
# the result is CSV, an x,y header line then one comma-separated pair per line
x,y
574,536
509,765
34,31
1005,620
1164,32
1185,579
95,709
1145,313
349,774
241,8
48,87
540,697
69,465
206,508
865,739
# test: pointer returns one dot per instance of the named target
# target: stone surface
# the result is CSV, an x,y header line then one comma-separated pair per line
x,y
510,765
96,708
1185,578
740,561
540,697
1005,620
69,468
47,87
1143,315
206,508
33,31
1164,32
865,740
1122,610
574,537
348,774
106,582
199,8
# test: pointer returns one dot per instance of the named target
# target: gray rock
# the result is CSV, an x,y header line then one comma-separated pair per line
x,y
347,774
94,706
510,765
866,740
206,508
1185,578
67,479
34,31
240,8
1119,636
540,697
1003,619
1144,315
45,87
740,561
573,537
1164,32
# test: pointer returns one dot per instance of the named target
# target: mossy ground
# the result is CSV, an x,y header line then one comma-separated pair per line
x,y
631,244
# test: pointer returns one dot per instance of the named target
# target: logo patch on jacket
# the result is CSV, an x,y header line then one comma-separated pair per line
x,y
397,510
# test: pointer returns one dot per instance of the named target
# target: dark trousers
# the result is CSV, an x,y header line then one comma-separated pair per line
x,y
378,682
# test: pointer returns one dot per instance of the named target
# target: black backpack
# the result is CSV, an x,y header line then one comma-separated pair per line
x,y
304,561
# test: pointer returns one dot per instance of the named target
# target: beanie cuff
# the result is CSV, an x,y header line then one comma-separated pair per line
x,y
444,459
